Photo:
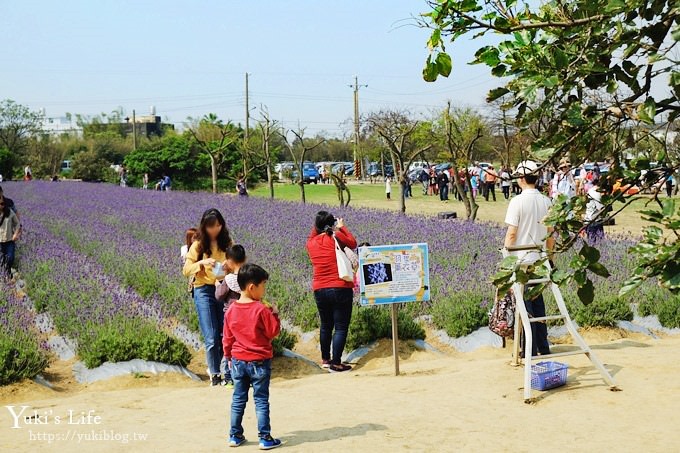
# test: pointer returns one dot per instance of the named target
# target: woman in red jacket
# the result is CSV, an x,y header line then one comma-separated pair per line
x,y
333,295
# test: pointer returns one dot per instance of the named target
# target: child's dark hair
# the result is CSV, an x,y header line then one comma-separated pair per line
x,y
324,222
364,244
237,254
251,273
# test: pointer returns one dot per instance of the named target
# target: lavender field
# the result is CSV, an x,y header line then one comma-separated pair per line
x,y
104,262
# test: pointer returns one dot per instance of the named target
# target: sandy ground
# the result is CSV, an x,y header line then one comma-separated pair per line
x,y
441,402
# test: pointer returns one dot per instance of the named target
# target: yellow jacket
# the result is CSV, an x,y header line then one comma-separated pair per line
x,y
204,275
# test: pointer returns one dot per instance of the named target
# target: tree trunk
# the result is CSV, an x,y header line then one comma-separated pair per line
x,y
402,195
474,207
302,191
464,198
213,167
270,180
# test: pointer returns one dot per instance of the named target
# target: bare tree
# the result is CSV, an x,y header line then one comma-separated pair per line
x,y
396,128
461,129
267,126
299,154
213,137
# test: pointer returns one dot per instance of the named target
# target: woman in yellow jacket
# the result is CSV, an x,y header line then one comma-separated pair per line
x,y
206,261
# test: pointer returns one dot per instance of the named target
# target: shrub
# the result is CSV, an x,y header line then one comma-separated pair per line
x,y
285,340
123,339
461,314
603,312
372,323
666,308
88,166
20,358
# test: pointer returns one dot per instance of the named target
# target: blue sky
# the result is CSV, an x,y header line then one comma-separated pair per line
x,y
189,58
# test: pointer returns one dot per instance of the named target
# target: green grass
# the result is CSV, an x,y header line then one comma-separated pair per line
x,y
368,195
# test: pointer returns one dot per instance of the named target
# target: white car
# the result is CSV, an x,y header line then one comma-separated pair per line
x,y
418,165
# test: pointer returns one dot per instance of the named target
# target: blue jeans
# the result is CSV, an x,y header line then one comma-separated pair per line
x,y
444,192
211,321
258,374
7,256
335,313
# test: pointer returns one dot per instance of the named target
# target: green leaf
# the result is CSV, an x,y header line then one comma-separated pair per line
x,y
599,269
444,64
496,93
580,278
586,293
534,291
435,39
647,111
430,71
615,6
629,285
591,254
612,86
488,55
561,59
559,276
668,207
509,263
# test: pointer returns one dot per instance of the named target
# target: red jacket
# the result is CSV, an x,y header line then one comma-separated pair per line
x,y
321,249
248,331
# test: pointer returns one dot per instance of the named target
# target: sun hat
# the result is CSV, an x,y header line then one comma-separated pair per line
x,y
526,167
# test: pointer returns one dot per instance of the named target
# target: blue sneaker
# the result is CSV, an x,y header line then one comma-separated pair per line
x,y
237,440
269,443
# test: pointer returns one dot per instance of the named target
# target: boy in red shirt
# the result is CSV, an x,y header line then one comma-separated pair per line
x,y
249,328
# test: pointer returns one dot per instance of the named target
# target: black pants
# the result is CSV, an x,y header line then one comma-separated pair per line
x,y
669,187
539,330
444,192
335,311
506,191
490,189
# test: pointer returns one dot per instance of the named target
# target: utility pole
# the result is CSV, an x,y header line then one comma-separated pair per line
x,y
134,131
247,109
357,164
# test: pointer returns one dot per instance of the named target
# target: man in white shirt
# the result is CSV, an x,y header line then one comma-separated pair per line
x,y
525,227
563,182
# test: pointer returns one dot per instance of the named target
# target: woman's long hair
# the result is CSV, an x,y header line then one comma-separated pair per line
x,y
324,222
4,212
210,218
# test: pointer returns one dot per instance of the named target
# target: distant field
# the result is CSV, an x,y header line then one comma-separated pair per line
x,y
373,196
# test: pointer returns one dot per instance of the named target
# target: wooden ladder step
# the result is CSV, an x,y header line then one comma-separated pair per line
x,y
547,318
560,354
537,281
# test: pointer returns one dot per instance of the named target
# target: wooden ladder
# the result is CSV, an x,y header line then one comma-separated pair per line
x,y
524,322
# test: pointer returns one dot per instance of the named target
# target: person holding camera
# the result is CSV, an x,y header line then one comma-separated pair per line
x,y
333,295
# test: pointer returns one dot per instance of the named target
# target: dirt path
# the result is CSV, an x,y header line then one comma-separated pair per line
x,y
464,402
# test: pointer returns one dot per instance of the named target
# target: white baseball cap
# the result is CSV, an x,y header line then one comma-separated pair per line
x,y
526,167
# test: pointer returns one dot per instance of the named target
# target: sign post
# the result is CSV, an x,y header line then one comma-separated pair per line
x,y
392,274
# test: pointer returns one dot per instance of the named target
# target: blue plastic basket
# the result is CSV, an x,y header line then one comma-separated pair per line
x,y
548,375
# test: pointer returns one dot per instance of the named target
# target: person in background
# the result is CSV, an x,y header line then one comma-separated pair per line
x,y
145,181
505,183
563,182
443,185
123,176
424,179
333,295
594,227
28,173
250,326
433,182
669,185
0,178
228,289
166,183
10,228
204,261
189,237
474,185
388,187
491,176
242,187
525,228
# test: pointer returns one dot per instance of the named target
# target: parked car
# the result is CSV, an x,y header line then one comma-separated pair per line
x,y
309,174
374,170
66,166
